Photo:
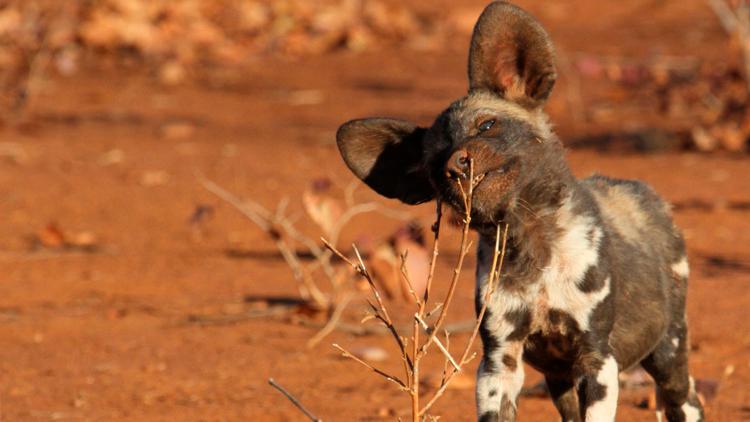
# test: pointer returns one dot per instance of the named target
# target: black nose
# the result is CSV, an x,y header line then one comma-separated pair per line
x,y
458,164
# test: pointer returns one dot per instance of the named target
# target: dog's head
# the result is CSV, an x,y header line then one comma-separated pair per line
x,y
498,129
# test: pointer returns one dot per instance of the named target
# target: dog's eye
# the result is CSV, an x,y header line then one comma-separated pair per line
x,y
486,125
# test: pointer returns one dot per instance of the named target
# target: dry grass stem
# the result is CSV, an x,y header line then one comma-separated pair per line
x,y
294,401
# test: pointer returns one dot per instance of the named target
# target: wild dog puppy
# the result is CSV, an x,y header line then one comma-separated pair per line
x,y
596,273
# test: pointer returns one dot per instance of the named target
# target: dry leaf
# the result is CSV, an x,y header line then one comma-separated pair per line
x,y
703,140
51,236
323,209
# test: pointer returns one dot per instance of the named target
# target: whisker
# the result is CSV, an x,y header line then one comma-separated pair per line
x,y
525,205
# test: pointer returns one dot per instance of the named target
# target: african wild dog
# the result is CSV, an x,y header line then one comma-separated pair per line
x,y
596,272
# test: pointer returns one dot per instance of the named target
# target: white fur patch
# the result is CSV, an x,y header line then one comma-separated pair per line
x,y
676,342
573,254
606,408
505,382
680,268
692,413
501,301
487,382
576,250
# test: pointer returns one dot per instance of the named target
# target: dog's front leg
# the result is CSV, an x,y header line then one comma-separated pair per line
x,y
499,380
598,390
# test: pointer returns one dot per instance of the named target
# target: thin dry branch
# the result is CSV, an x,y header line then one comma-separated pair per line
x,y
463,250
294,401
435,249
277,228
736,22
407,279
419,349
498,258
726,17
381,313
383,374
439,345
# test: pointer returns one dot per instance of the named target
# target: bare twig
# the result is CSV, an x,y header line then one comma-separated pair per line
x,y
435,248
736,22
276,226
357,209
385,375
726,17
463,250
439,345
497,264
294,401
419,349
380,310
407,279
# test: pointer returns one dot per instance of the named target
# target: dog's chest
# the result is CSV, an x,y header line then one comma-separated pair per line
x,y
562,298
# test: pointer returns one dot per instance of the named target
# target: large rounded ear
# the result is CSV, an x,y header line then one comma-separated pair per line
x,y
387,155
512,55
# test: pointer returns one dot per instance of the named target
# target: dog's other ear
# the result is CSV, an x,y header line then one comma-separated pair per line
x,y
512,55
387,155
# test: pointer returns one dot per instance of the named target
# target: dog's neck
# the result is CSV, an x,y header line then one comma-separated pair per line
x,y
536,219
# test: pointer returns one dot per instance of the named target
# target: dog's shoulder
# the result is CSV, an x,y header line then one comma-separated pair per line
x,y
635,212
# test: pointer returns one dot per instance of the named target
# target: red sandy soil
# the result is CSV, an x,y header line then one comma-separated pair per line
x,y
103,336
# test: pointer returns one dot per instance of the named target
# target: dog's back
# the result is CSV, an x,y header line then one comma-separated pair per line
x,y
647,259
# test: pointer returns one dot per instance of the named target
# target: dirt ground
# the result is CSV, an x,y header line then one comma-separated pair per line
x,y
113,155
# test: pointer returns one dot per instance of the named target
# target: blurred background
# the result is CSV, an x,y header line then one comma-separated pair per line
x,y
168,166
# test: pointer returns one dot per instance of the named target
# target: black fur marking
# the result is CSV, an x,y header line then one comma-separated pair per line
x,y
490,417
593,280
490,343
590,392
521,321
509,362
565,397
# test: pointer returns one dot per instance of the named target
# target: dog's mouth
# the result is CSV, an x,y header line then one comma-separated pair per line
x,y
489,190
497,177
488,176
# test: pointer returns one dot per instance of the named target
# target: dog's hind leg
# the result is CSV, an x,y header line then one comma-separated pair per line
x,y
565,397
668,365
